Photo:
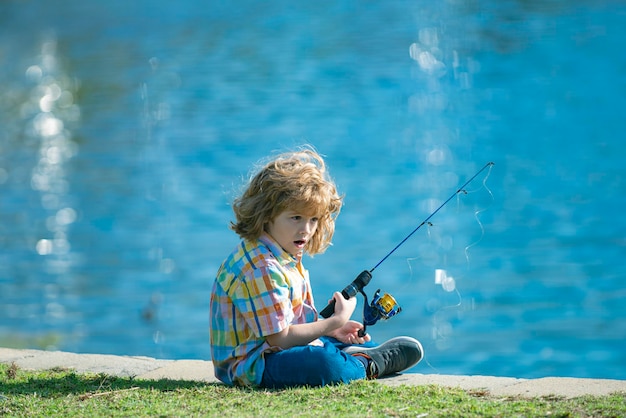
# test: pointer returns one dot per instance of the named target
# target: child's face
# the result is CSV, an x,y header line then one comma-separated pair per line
x,y
292,231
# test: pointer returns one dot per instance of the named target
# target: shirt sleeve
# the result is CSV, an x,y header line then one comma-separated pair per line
x,y
263,298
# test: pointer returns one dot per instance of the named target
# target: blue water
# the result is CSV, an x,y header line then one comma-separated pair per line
x,y
128,127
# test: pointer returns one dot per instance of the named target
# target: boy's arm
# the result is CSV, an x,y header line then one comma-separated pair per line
x,y
302,334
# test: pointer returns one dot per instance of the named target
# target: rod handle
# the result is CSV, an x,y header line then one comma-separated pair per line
x,y
351,290
328,310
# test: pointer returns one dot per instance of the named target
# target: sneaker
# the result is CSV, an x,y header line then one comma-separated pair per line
x,y
390,357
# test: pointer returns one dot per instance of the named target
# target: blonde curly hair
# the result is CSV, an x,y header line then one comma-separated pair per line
x,y
295,181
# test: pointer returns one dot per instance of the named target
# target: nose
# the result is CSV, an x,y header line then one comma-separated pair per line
x,y
308,227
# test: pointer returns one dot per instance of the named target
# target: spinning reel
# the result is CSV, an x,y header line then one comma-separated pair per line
x,y
381,307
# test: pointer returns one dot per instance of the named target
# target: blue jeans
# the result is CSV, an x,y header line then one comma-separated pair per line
x,y
312,366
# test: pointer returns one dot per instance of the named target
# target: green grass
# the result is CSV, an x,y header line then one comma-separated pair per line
x,y
65,393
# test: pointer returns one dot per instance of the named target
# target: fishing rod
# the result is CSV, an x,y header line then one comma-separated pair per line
x,y
385,306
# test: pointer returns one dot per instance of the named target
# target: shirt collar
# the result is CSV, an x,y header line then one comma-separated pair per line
x,y
281,255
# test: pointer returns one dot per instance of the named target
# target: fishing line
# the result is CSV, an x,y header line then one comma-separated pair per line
x,y
441,328
429,225
460,190
476,216
385,306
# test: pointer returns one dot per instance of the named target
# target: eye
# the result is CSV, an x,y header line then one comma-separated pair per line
x,y
296,217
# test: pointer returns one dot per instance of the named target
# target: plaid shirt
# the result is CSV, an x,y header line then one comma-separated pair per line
x,y
260,290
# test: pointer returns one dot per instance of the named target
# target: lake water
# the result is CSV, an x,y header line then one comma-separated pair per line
x,y
128,127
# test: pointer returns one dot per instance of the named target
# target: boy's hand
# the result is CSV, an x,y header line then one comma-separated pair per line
x,y
343,307
349,333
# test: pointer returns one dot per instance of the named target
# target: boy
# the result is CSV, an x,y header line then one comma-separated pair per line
x,y
265,329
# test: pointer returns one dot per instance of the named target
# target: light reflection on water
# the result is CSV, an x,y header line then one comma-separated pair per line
x,y
46,116
123,147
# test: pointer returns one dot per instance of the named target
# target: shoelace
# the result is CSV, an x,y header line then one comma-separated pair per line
x,y
394,360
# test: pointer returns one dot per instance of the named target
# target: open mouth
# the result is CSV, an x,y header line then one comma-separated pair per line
x,y
300,243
